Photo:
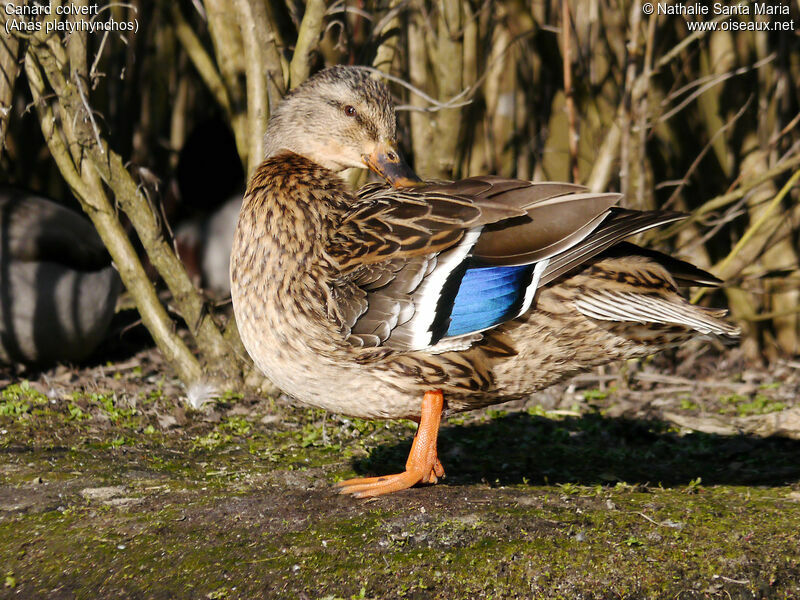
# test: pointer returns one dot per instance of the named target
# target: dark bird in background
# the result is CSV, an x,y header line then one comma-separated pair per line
x,y
207,208
204,245
405,299
58,289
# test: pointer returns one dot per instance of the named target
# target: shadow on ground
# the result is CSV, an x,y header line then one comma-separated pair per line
x,y
592,449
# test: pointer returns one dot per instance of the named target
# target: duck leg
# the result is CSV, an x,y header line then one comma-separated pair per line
x,y
423,464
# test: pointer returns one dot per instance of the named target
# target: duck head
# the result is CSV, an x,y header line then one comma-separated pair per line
x,y
340,118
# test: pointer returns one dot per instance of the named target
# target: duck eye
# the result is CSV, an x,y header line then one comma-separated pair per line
x,y
349,111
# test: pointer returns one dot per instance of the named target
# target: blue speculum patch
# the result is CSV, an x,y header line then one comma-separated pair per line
x,y
488,296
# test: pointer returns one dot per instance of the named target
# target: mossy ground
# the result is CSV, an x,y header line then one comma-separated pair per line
x,y
106,493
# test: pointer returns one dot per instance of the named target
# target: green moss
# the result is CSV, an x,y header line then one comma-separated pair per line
x,y
231,397
211,440
404,554
775,385
240,509
743,406
499,547
687,404
760,405
595,394
237,426
19,399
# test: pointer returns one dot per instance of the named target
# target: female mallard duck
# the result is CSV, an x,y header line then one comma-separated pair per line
x,y
462,294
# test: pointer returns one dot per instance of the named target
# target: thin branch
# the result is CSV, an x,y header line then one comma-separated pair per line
x,y
98,208
307,40
569,92
791,125
98,54
704,151
467,92
257,100
9,68
678,48
108,165
725,199
753,229
202,62
714,81
89,113
340,7
384,57
454,102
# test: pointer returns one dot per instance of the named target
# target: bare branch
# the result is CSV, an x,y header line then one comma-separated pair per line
x,y
436,105
9,68
98,208
100,160
710,82
307,40
566,36
384,57
200,59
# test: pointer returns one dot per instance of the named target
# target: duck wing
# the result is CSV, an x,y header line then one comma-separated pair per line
x,y
389,223
448,260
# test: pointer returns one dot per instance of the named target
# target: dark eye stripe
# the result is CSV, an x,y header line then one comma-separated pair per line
x,y
371,128
359,117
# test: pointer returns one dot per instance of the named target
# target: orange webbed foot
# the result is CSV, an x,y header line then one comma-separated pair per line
x,y
423,464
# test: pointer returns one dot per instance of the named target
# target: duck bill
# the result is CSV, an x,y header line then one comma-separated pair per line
x,y
389,164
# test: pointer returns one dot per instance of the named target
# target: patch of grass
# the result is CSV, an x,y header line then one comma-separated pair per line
x,y
76,413
312,434
238,426
694,486
153,396
231,397
633,541
775,385
570,489
110,405
19,399
210,441
760,405
744,407
596,394
687,404
733,399
537,411
492,413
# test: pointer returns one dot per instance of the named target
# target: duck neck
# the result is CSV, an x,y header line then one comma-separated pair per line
x,y
280,273
295,201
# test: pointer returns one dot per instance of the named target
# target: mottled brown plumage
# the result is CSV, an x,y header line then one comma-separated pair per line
x,y
358,303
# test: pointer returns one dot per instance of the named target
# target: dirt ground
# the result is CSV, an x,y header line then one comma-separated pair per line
x,y
650,480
